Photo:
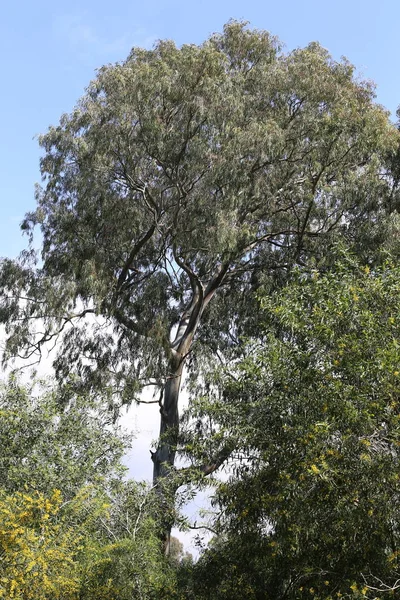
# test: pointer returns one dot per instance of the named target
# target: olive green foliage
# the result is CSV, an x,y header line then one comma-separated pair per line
x,y
182,170
124,558
184,180
312,510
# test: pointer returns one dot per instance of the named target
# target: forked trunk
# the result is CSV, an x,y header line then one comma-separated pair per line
x,y
164,456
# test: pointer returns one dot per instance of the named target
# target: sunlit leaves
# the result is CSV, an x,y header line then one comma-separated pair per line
x,y
314,415
47,446
229,155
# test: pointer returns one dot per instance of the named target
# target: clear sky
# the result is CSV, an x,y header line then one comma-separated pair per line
x,y
49,52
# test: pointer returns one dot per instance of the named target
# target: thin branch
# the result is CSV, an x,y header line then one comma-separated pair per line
x,y
188,474
133,253
207,527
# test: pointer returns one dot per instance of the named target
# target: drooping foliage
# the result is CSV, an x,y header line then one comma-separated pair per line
x,y
192,208
182,177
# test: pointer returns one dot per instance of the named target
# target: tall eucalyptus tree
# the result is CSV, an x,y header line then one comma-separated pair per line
x,y
180,176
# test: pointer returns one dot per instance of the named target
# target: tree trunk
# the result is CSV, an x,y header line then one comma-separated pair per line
x,y
164,456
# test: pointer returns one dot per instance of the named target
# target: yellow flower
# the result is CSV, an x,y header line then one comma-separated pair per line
x,y
365,457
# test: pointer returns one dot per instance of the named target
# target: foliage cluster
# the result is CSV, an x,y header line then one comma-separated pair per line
x,y
71,528
312,509
183,177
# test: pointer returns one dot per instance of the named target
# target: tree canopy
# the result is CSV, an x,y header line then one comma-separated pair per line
x,y
181,169
46,448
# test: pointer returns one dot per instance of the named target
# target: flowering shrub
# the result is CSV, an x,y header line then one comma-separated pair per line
x,y
37,549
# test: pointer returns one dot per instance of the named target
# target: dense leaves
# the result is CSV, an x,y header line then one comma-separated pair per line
x,y
70,527
89,548
313,508
37,551
185,189
46,448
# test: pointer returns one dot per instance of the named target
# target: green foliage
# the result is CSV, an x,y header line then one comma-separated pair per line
x,y
184,180
124,557
313,507
183,170
46,447
82,549
61,538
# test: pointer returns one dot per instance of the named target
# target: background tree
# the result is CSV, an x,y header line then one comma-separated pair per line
x,y
88,548
45,448
312,509
182,173
123,557
70,526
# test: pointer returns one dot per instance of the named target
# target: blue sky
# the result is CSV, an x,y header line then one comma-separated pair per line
x,y
49,52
